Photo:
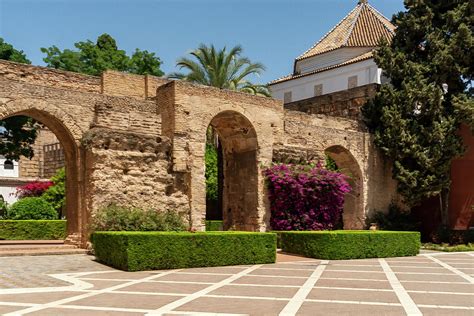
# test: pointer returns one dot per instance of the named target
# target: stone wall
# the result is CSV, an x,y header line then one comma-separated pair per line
x,y
123,143
345,103
131,169
53,159
36,167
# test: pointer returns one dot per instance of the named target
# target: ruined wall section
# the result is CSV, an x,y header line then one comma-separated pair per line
x,y
188,109
131,169
307,137
345,103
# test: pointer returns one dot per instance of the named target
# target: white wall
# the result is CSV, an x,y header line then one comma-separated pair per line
x,y
330,58
333,80
8,193
11,173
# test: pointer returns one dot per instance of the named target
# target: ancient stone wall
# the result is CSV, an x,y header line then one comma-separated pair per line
x,y
50,77
131,169
312,137
345,103
123,143
35,167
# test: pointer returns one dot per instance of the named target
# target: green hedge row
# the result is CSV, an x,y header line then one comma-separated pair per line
x,y
135,251
33,229
334,245
214,226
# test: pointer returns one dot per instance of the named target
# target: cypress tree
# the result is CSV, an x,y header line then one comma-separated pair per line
x,y
415,118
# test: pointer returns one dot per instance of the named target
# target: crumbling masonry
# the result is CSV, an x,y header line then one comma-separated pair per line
x,y
140,141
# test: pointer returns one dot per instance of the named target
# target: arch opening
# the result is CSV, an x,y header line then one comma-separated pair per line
x,y
54,148
353,215
235,141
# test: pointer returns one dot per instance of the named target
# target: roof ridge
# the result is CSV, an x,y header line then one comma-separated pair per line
x,y
356,18
381,18
330,31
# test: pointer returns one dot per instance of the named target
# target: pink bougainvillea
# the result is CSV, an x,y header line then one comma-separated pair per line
x,y
31,189
305,197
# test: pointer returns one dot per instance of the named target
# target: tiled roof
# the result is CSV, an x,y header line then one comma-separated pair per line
x,y
359,58
364,26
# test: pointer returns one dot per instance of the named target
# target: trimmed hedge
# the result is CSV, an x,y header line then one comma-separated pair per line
x,y
214,226
334,245
33,229
135,251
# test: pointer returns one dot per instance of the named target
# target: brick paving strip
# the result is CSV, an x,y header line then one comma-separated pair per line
x,y
299,283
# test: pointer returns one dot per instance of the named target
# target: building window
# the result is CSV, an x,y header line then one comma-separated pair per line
x,y
8,165
287,97
352,82
318,90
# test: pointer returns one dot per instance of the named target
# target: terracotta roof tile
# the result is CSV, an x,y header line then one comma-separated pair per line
x,y
364,26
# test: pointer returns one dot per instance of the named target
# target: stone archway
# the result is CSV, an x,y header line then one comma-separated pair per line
x,y
75,208
238,139
353,215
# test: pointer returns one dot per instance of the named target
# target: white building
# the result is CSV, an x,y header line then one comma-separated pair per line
x,y
10,170
341,60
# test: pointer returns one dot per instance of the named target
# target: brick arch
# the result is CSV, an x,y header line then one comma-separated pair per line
x,y
238,138
353,215
68,134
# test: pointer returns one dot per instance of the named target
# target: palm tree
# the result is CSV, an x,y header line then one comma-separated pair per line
x,y
221,69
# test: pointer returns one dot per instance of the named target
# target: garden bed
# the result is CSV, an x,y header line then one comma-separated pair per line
x,y
33,229
448,248
334,245
135,251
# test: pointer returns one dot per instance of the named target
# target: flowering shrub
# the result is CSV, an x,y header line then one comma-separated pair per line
x,y
32,189
305,197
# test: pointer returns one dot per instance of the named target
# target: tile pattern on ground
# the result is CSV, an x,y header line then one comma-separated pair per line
x,y
345,287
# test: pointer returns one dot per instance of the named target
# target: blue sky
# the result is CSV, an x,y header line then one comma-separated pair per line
x,y
273,32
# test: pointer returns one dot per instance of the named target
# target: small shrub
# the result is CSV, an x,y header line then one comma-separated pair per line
x,y
395,219
119,218
56,193
305,197
336,245
214,225
32,189
133,251
31,208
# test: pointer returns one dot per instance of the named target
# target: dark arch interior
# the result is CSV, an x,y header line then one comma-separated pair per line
x,y
237,145
353,215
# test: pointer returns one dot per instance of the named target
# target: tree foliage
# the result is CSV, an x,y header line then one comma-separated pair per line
x,y
8,52
17,133
416,117
222,69
94,58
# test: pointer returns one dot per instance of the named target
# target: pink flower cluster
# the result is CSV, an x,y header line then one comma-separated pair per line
x,y
305,197
35,188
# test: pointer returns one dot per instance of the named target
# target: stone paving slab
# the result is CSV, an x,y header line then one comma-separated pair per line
x,y
392,286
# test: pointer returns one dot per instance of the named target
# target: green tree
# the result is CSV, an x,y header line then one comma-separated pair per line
x,y
222,69
416,117
8,52
94,58
17,133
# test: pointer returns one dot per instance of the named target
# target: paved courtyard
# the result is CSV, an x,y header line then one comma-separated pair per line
x,y
429,284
